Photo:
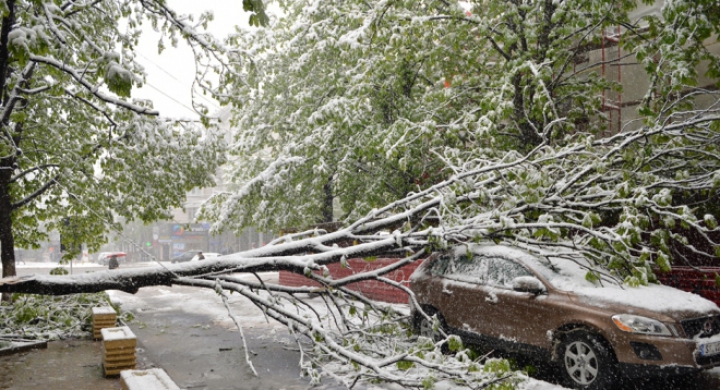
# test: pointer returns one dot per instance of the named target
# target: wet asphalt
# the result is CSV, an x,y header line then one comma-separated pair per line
x,y
199,357
64,365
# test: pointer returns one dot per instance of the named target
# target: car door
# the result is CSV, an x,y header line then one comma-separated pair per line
x,y
461,299
516,316
492,310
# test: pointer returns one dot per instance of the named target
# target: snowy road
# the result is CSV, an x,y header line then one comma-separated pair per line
x,y
187,332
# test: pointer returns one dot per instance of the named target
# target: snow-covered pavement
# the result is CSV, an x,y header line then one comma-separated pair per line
x,y
185,322
189,328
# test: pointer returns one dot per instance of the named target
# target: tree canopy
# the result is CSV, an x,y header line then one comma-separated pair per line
x,y
78,152
442,124
363,103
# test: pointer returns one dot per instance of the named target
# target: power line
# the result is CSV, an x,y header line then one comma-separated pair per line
x,y
171,98
176,79
158,66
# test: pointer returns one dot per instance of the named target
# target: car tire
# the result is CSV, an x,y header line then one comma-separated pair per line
x,y
586,361
424,327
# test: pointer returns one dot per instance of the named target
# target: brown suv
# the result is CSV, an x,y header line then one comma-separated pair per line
x,y
545,306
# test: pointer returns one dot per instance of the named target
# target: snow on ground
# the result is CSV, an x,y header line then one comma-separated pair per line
x,y
50,264
200,301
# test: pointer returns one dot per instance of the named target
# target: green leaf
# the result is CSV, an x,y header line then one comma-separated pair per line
x,y
591,276
455,344
118,80
404,365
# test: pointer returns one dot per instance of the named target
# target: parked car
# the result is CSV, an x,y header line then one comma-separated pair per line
x,y
207,255
185,256
545,307
193,256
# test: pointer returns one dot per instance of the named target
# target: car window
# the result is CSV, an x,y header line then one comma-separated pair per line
x,y
501,272
466,269
439,266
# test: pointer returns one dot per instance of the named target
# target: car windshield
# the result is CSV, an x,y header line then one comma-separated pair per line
x,y
567,273
562,272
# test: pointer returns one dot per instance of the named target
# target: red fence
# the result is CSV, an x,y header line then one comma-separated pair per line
x,y
372,289
699,281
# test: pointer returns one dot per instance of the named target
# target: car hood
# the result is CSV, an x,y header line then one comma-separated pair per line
x,y
646,300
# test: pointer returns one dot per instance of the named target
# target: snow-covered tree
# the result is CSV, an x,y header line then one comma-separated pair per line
x,y
76,150
364,101
548,200
517,148
333,109
351,100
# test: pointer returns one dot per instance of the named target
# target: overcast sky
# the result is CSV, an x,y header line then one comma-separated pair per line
x,y
170,75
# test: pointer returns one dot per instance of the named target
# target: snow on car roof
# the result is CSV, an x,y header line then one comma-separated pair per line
x,y
566,272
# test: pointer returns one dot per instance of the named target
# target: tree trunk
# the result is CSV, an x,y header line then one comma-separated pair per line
x,y
7,241
268,258
327,208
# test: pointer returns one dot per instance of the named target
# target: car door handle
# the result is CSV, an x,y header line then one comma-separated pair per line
x,y
491,299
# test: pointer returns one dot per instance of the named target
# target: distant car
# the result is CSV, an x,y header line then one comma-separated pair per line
x,y
192,255
104,257
511,300
185,256
207,255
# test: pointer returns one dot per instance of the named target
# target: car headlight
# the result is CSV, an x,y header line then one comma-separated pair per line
x,y
638,324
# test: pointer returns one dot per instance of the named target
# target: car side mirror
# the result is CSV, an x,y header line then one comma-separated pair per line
x,y
528,284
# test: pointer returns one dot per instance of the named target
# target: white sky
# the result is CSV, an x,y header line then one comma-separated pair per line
x,y
170,74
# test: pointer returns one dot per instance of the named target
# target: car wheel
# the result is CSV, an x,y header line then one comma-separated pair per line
x,y
425,328
587,363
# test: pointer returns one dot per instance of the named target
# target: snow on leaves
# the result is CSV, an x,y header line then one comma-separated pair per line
x,y
74,141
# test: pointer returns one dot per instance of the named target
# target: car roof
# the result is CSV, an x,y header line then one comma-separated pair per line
x,y
566,271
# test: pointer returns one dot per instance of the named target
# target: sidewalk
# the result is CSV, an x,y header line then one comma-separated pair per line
x,y
64,365
186,332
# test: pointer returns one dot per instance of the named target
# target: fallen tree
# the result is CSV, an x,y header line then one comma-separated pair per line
x,y
609,199
627,201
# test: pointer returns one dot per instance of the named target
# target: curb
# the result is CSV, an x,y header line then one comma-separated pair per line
x,y
20,345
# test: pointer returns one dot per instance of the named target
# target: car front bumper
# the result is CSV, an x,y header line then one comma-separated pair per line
x,y
646,352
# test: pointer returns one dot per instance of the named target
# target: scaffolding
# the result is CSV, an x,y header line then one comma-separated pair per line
x,y
613,108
